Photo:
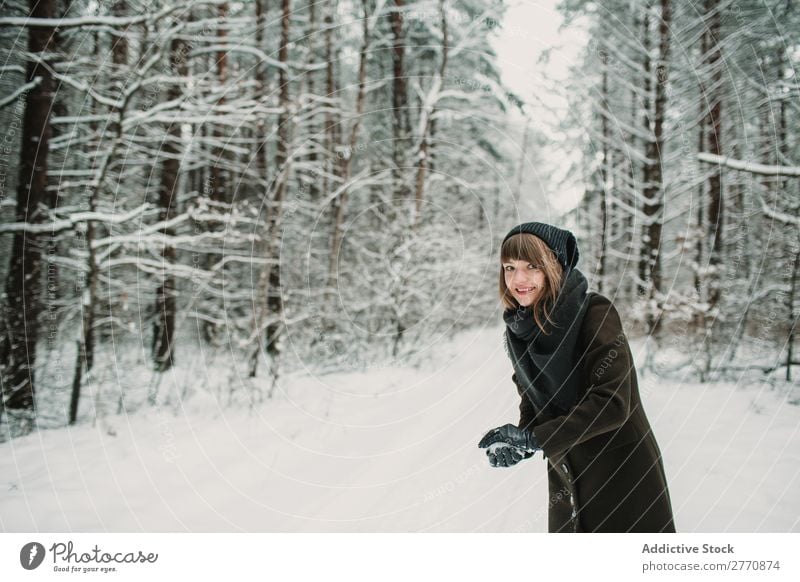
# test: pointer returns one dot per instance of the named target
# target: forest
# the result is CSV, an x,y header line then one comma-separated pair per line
x,y
282,187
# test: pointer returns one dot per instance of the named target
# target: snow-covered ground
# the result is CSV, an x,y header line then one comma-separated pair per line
x,y
389,449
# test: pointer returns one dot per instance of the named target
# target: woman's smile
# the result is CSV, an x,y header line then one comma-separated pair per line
x,y
525,295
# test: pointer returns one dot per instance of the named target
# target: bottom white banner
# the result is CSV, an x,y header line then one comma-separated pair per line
x,y
393,556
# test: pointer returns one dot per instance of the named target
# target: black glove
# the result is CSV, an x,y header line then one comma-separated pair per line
x,y
509,434
506,456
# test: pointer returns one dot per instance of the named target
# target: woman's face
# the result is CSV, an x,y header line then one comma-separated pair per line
x,y
524,280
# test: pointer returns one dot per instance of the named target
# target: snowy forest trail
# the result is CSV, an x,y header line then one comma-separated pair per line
x,y
387,449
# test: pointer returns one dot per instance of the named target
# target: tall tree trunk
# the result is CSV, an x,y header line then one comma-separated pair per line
x,y
700,230
282,163
791,300
262,286
400,116
340,203
269,288
332,129
628,223
261,90
332,133
218,189
85,356
23,283
604,183
423,153
164,325
313,155
646,249
713,122
654,187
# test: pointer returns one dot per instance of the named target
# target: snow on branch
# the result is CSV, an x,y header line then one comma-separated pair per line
x,y
240,48
779,216
13,97
99,20
750,167
72,220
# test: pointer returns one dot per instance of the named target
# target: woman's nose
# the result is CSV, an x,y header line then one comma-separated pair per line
x,y
519,277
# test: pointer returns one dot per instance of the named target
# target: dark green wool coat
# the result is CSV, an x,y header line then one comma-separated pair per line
x,y
604,467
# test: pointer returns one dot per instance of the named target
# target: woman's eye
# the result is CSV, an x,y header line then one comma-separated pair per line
x,y
508,268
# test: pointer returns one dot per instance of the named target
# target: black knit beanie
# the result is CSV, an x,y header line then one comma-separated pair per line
x,y
561,241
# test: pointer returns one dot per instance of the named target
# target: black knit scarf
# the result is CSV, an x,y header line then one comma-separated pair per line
x,y
545,364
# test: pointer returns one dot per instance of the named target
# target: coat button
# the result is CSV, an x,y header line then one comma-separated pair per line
x,y
564,466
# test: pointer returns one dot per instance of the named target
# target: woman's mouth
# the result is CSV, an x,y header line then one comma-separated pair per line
x,y
524,290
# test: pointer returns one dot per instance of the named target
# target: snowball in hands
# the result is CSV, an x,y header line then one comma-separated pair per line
x,y
510,435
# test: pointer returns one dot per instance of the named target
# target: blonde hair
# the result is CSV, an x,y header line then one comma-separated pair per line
x,y
529,247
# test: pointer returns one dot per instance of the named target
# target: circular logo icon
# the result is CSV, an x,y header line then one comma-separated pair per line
x,y
31,555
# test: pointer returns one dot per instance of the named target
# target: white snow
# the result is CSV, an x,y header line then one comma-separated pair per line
x,y
387,449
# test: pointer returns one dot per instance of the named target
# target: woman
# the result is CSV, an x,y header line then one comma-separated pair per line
x,y
580,401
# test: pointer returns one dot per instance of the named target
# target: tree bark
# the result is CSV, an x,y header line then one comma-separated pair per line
x,y
218,189
269,287
604,174
423,153
275,299
165,305
791,300
713,122
700,230
313,155
119,48
645,252
23,283
346,165
400,118
654,194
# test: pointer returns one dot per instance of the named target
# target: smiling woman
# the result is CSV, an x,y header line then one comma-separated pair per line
x,y
580,401
531,274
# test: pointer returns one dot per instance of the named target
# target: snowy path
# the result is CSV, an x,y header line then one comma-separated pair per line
x,y
388,450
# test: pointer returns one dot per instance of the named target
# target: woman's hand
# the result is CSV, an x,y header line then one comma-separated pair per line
x,y
508,445
511,436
